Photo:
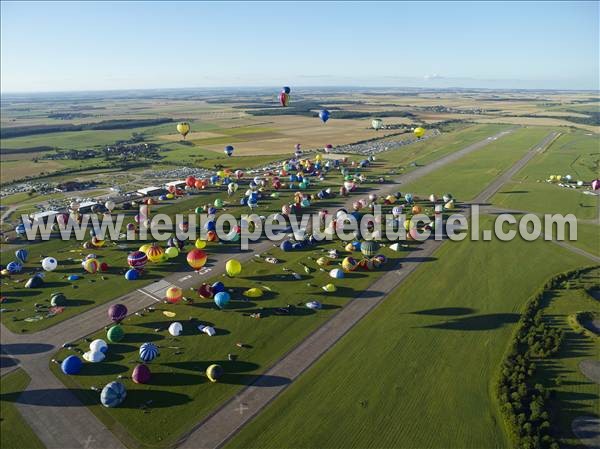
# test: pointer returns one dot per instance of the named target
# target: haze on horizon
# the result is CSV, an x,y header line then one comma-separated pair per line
x,y
63,46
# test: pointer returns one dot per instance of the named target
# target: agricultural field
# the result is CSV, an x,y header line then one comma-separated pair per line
x,y
399,375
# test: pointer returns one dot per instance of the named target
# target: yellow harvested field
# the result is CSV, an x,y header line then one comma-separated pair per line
x,y
308,131
12,170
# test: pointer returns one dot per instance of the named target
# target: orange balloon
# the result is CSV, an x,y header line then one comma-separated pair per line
x,y
196,258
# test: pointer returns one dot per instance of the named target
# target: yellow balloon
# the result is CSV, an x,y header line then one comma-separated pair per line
x,y
183,128
233,267
200,244
254,292
419,132
145,248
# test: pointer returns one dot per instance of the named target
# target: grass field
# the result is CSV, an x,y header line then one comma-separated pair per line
x,y
574,394
418,370
469,175
15,433
576,154
180,394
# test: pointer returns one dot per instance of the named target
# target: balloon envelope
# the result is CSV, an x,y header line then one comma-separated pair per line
x,y
222,299
233,267
113,394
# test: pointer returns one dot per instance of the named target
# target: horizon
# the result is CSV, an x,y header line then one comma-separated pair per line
x,y
97,47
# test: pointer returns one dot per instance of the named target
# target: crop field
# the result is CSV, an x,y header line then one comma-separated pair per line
x,y
418,371
575,154
469,175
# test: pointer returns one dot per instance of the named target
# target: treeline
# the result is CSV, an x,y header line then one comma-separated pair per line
x,y
21,131
593,118
524,403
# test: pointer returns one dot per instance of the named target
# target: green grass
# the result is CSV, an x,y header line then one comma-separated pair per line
x,y
588,238
466,177
418,371
574,394
574,154
180,393
15,433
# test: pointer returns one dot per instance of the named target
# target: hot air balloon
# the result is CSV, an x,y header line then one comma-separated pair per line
x,y
190,181
196,258
173,294
287,89
324,115
175,329
172,252
115,334
49,264
137,260
328,148
98,345
377,123
22,255
183,128
419,132
71,365
14,267
148,352
283,98
205,291
233,267
349,263
222,299
214,372
228,150
90,265
369,248
141,374
595,184
155,252
117,312
113,394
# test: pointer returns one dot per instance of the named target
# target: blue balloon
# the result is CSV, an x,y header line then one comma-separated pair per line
x,y
210,226
22,255
73,277
324,115
286,89
218,287
71,365
286,245
212,210
148,352
243,201
14,267
228,150
113,394
297,245
132,275
222,299
20,229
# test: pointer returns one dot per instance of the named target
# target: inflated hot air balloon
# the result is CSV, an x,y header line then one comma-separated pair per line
x,y
377,123
117,312
148,352
71,365
173,294
349,263
115,334
222,299
287,89
183,128
369,248
596,184
155,252
228,150
205,291
190,181
141,374
90,265
172,252
113,394
214,372
284,98
49,264
324,115
137,260
196,258
419,132
328,148
253,292
233,267
22,255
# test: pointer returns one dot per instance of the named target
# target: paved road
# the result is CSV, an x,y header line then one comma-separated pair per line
x,y
62,432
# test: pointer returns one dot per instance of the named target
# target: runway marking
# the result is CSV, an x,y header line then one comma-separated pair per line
x,y
185,278
150,295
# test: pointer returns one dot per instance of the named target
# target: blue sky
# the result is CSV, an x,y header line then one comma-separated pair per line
x,y
55,46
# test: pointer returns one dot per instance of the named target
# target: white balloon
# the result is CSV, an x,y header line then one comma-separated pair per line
x,y
98,345
94,356
49,264
175,329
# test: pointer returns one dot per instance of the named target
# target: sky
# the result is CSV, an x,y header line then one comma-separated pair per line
x,y
69,46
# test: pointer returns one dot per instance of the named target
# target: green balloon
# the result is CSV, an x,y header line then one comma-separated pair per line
x,y
115,334
172,252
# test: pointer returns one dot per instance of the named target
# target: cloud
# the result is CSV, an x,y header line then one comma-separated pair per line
x,y
433,76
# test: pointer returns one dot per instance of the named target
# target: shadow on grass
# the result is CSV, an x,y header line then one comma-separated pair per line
x,y
140,337
229,366
443,311
102,369
478,322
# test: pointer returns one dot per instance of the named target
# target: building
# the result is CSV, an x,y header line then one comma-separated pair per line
x,y
176,184
87,206
44,216
150,191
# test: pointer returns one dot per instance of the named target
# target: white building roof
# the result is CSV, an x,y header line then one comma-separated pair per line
x,y
148,190
175,183
44,214
88,204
